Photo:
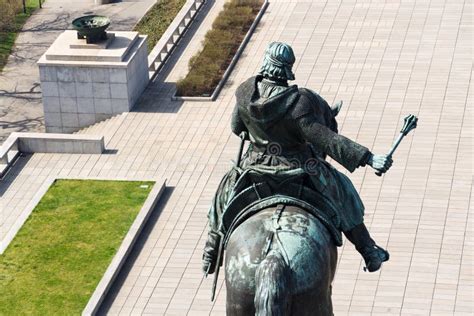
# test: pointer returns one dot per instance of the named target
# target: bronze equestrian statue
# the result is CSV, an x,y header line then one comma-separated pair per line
x,y
280,211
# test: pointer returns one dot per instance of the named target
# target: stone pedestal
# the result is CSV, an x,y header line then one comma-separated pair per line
x,y
86,83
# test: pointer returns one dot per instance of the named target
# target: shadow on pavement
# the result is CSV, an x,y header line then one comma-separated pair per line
x,y
137,249
13,172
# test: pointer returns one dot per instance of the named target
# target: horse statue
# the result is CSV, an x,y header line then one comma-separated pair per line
x,y
280,212
281,261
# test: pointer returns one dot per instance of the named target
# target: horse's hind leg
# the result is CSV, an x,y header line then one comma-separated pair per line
x,y
239,274
312,303
239,303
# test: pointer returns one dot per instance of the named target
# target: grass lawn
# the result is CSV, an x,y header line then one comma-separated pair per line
x,y
7,38
157,20
58,257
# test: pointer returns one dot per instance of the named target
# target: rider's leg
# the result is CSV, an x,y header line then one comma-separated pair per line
x,y
373,255
210,252
211,248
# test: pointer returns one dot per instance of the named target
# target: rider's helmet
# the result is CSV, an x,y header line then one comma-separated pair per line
x,y
278,61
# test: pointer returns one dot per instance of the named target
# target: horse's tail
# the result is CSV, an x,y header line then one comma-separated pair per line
x,y
273,288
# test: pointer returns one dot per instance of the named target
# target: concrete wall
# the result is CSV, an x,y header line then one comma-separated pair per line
x,y
58,143
18,143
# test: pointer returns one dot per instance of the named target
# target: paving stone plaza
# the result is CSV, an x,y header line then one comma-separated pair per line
x,y
385,59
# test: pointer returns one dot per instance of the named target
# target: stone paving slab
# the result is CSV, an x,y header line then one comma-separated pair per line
x,y
385,60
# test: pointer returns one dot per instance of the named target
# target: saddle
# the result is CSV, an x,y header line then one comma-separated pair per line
x,y
260,187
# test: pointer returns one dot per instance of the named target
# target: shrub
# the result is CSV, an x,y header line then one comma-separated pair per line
x,y
220,44
9,8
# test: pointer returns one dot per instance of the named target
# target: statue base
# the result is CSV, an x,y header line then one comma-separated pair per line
x,y
83,84
82,42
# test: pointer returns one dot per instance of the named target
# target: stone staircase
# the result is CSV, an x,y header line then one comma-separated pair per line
x,y
106,128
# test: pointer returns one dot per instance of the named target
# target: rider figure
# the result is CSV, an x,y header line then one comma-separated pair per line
x,y
302,127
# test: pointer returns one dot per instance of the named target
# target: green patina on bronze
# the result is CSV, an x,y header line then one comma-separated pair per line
x,y
283,179
91,27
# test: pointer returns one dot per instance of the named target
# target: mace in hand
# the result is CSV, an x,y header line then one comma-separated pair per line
x,y
410,124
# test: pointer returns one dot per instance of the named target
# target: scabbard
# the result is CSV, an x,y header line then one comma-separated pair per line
x,y
218,266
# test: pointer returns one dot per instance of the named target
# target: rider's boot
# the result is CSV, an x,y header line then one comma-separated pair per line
x,y
209,256
373,255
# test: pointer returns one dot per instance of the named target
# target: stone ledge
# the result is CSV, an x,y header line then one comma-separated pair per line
x,y
97,64
125,248
28,143
173,34
59,143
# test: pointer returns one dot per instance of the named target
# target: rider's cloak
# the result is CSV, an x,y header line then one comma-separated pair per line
x,y
296,128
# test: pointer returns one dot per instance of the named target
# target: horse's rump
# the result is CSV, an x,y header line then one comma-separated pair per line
x,y
296,247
